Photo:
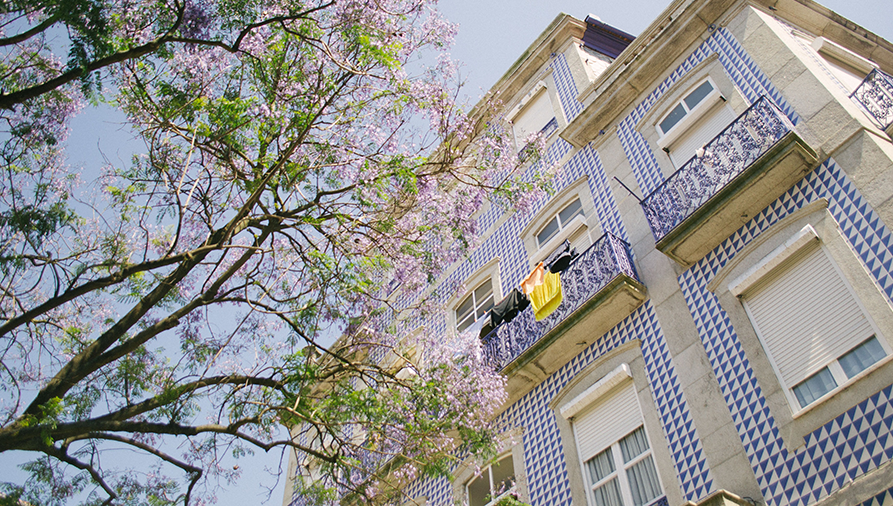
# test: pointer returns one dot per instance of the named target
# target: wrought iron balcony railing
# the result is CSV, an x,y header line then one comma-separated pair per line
x,y
586,276
875,94
736,148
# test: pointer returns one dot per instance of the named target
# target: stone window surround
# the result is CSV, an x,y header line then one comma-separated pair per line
x,y
489,270
710,67
631,354
512,442
577,189
795,426
545,84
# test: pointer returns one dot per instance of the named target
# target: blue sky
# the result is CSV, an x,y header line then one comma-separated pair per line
x,y
494,33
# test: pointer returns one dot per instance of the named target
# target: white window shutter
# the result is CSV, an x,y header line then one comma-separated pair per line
x,y
701,133
807,316
607,421
533,117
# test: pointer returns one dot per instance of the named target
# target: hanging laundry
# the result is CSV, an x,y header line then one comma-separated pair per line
x,y
560,259
546,297
509,307
535,278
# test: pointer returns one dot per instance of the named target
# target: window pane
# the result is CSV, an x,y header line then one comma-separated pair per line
x,y
465,308
861,357
608,494
503,475
695,97
634,444
643,481
464,324
479,490
483,291
485,306
814,387
569,212
600,466
547,232
675,115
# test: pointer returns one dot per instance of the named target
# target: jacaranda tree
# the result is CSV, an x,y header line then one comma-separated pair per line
x,y
301,159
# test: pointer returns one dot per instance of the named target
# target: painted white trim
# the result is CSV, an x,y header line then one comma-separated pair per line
x,y
532,94
833,50
807,236
545,250
665,140
601,387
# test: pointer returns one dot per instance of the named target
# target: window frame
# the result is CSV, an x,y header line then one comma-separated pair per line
x,y
611,387
578,189
795,424
562,224
621,470
541,88
489,270
709,68
510,443
768,270
488,469
575,394
476,306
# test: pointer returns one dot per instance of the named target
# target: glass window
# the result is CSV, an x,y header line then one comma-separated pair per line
x,y
814,387
559,222
694,98
475,305
637,485
852,363
685,106
862,357
813,328
494,481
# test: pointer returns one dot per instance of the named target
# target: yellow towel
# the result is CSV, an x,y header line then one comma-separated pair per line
x,y
546,297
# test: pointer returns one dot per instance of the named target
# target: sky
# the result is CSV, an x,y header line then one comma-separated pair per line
x,y
492,35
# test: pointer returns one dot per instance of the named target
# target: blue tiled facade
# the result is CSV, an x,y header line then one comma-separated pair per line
x,y
843,450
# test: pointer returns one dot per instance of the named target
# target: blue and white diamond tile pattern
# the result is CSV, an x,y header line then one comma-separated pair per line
x,y
741,69
846,447
565,86
543,454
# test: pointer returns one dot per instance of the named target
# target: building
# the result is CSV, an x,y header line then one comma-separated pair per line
x,y
725,335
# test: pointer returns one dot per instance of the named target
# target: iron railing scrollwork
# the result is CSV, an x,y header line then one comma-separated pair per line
x,y
587,275
875,94
736,148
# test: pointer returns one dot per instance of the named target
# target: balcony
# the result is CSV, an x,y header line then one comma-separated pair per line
x,y
599,289
752,162
875,94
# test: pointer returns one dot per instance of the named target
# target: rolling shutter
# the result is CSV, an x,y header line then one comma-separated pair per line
x,y
701,133
807,316
607,421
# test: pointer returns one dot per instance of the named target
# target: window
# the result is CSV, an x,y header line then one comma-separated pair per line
x,y
477,484
534,113
475,305
612,444
624,472
495,481
693,122
568,216
691,113
815,331
685,106
559,222
786,372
